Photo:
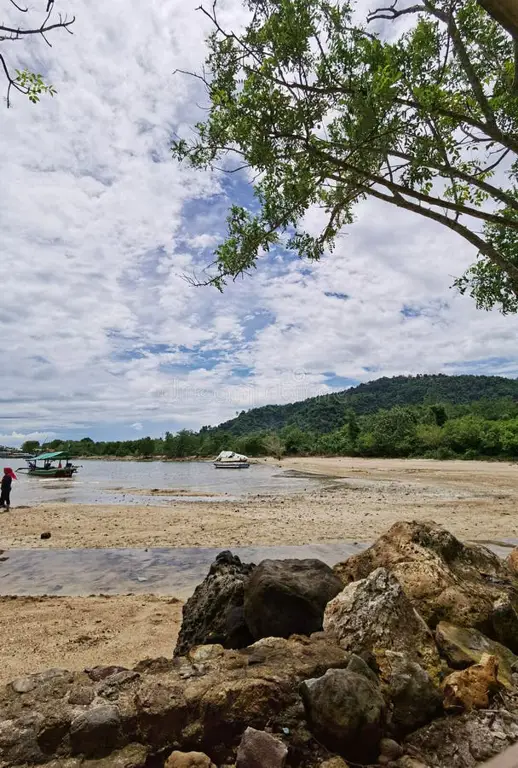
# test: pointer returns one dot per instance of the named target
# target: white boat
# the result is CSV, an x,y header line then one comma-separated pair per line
x,y
231,460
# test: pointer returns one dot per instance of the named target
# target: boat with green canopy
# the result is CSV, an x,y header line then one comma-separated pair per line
x,y
55,464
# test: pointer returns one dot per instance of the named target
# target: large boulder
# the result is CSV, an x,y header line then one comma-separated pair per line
x,y
345,711
445,579
413,698
288,597
465,741
214,613
462,646
374,614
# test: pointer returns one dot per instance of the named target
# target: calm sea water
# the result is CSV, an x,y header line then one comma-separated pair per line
x,y
108,482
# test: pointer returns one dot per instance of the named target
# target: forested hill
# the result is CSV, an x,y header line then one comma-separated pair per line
x,y
328,412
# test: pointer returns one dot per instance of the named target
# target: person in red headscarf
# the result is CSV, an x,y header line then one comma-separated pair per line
x,y
7,481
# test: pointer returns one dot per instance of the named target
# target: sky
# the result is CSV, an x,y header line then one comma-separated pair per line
x,y
101,333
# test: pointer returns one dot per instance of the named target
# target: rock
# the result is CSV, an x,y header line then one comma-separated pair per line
x,y
445,579
408,762
375,613
188,760
334,762
45,535
345,712
132,756
259,749
101,673
288,597
23,684
95,733
390,748
512,561
462,647
204,702
465,741
414,699
214,613
472,688
82,695
505,623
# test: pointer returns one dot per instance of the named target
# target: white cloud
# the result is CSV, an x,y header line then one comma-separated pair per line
x,y
137,426
15,439
99,227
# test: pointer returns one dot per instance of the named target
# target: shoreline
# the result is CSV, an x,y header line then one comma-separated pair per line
x,y
358,499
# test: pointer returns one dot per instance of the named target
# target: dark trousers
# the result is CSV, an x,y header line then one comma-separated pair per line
x,y
5,499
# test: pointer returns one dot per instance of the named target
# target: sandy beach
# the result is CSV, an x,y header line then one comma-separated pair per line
x,y
475,500
79,632
357,500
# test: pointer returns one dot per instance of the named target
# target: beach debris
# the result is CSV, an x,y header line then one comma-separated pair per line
x,y
259,749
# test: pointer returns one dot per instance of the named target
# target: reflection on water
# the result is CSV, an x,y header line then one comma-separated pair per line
x,y
110,482
121,571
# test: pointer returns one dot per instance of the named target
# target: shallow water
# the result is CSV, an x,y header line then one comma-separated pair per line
x,y
160,571
163,571
106,482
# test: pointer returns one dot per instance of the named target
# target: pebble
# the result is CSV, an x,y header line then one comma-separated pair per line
x,y
23,685
45,535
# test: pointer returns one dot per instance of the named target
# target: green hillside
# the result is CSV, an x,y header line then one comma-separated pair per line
x,y
329,412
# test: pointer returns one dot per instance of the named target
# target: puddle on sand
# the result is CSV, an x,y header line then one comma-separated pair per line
x,y
160,571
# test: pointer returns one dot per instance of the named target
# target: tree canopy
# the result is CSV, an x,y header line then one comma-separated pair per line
x,y
23,26
324,111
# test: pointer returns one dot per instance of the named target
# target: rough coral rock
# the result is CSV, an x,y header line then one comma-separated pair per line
x,y
445,579
188,760
472,688
462,647
375,614
414,699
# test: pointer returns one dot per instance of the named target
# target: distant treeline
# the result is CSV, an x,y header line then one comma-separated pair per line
x,y
486,428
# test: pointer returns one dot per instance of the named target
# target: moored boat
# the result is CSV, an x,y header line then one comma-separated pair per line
x,y
231,460
56,464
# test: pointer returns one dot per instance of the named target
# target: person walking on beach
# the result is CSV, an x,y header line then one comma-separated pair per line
x,y
7,481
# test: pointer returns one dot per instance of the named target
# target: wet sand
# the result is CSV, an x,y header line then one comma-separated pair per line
x,y
475,500
78,632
